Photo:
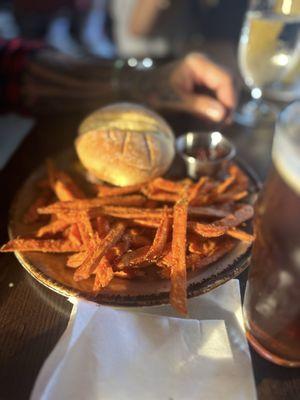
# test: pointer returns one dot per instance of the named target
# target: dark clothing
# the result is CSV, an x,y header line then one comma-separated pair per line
x,y
14,55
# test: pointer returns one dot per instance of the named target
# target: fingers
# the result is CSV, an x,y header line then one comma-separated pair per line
x,y
179,92
205,107
209,74
200,105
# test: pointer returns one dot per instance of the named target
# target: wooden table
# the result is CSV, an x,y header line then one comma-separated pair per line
x,y
32,318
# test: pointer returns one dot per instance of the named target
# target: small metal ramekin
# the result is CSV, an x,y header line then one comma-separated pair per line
x,y
191,141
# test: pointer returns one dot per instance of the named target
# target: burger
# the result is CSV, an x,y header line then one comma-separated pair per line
x,y
125,144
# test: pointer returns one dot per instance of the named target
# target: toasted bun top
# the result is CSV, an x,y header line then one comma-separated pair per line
x,y
125,144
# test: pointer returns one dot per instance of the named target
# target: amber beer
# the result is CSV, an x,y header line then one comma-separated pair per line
x,y
272,300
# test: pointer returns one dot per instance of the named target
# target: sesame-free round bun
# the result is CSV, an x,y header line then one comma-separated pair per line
x,y
125,144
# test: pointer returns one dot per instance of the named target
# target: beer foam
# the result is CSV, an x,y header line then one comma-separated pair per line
x,y
286,158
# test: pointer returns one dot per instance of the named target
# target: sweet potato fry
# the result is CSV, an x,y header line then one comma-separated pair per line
x,y
146,223
62,184
52,228
167,259
72,215
42,245
108,191
222,187
97,252
196,261
72,233
73,188
160,195
76,259
202,200
161,184
207,230
160,239
164,197
204,193
239,216
148,213
207,212
132,212
42,200
178,297
85,227
220,227
103,274
240,235
117,251
88,265
102,226
241,180
134,258
202,247
194,191
192,211
228,196
87,204
63,193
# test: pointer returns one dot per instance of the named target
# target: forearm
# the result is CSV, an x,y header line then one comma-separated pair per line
x,y
42,80
154,87
46,81
54,82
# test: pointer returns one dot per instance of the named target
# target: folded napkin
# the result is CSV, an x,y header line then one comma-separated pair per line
x,y
13,129
112,354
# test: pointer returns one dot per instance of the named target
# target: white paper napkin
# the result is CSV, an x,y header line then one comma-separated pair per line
x,y
112,354
13,129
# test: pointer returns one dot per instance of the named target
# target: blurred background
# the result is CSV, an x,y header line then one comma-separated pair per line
x,y
125,28
263,57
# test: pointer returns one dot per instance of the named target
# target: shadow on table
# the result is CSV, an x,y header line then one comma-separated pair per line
x,y
10,275
270,378
21,366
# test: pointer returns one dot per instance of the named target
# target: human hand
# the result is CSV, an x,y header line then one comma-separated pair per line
x,y
173,87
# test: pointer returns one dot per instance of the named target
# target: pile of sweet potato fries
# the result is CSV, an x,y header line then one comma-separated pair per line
x,y
156,230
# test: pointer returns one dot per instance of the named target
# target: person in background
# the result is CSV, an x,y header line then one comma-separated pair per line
x,y
173,27
44,80
132,40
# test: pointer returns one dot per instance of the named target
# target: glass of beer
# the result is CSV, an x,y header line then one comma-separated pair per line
x,y
272,299
269,58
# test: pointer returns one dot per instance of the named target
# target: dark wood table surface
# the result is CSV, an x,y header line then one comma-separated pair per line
x,y
32,318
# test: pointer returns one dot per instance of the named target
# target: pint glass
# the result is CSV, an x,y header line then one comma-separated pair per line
x,y
272,299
